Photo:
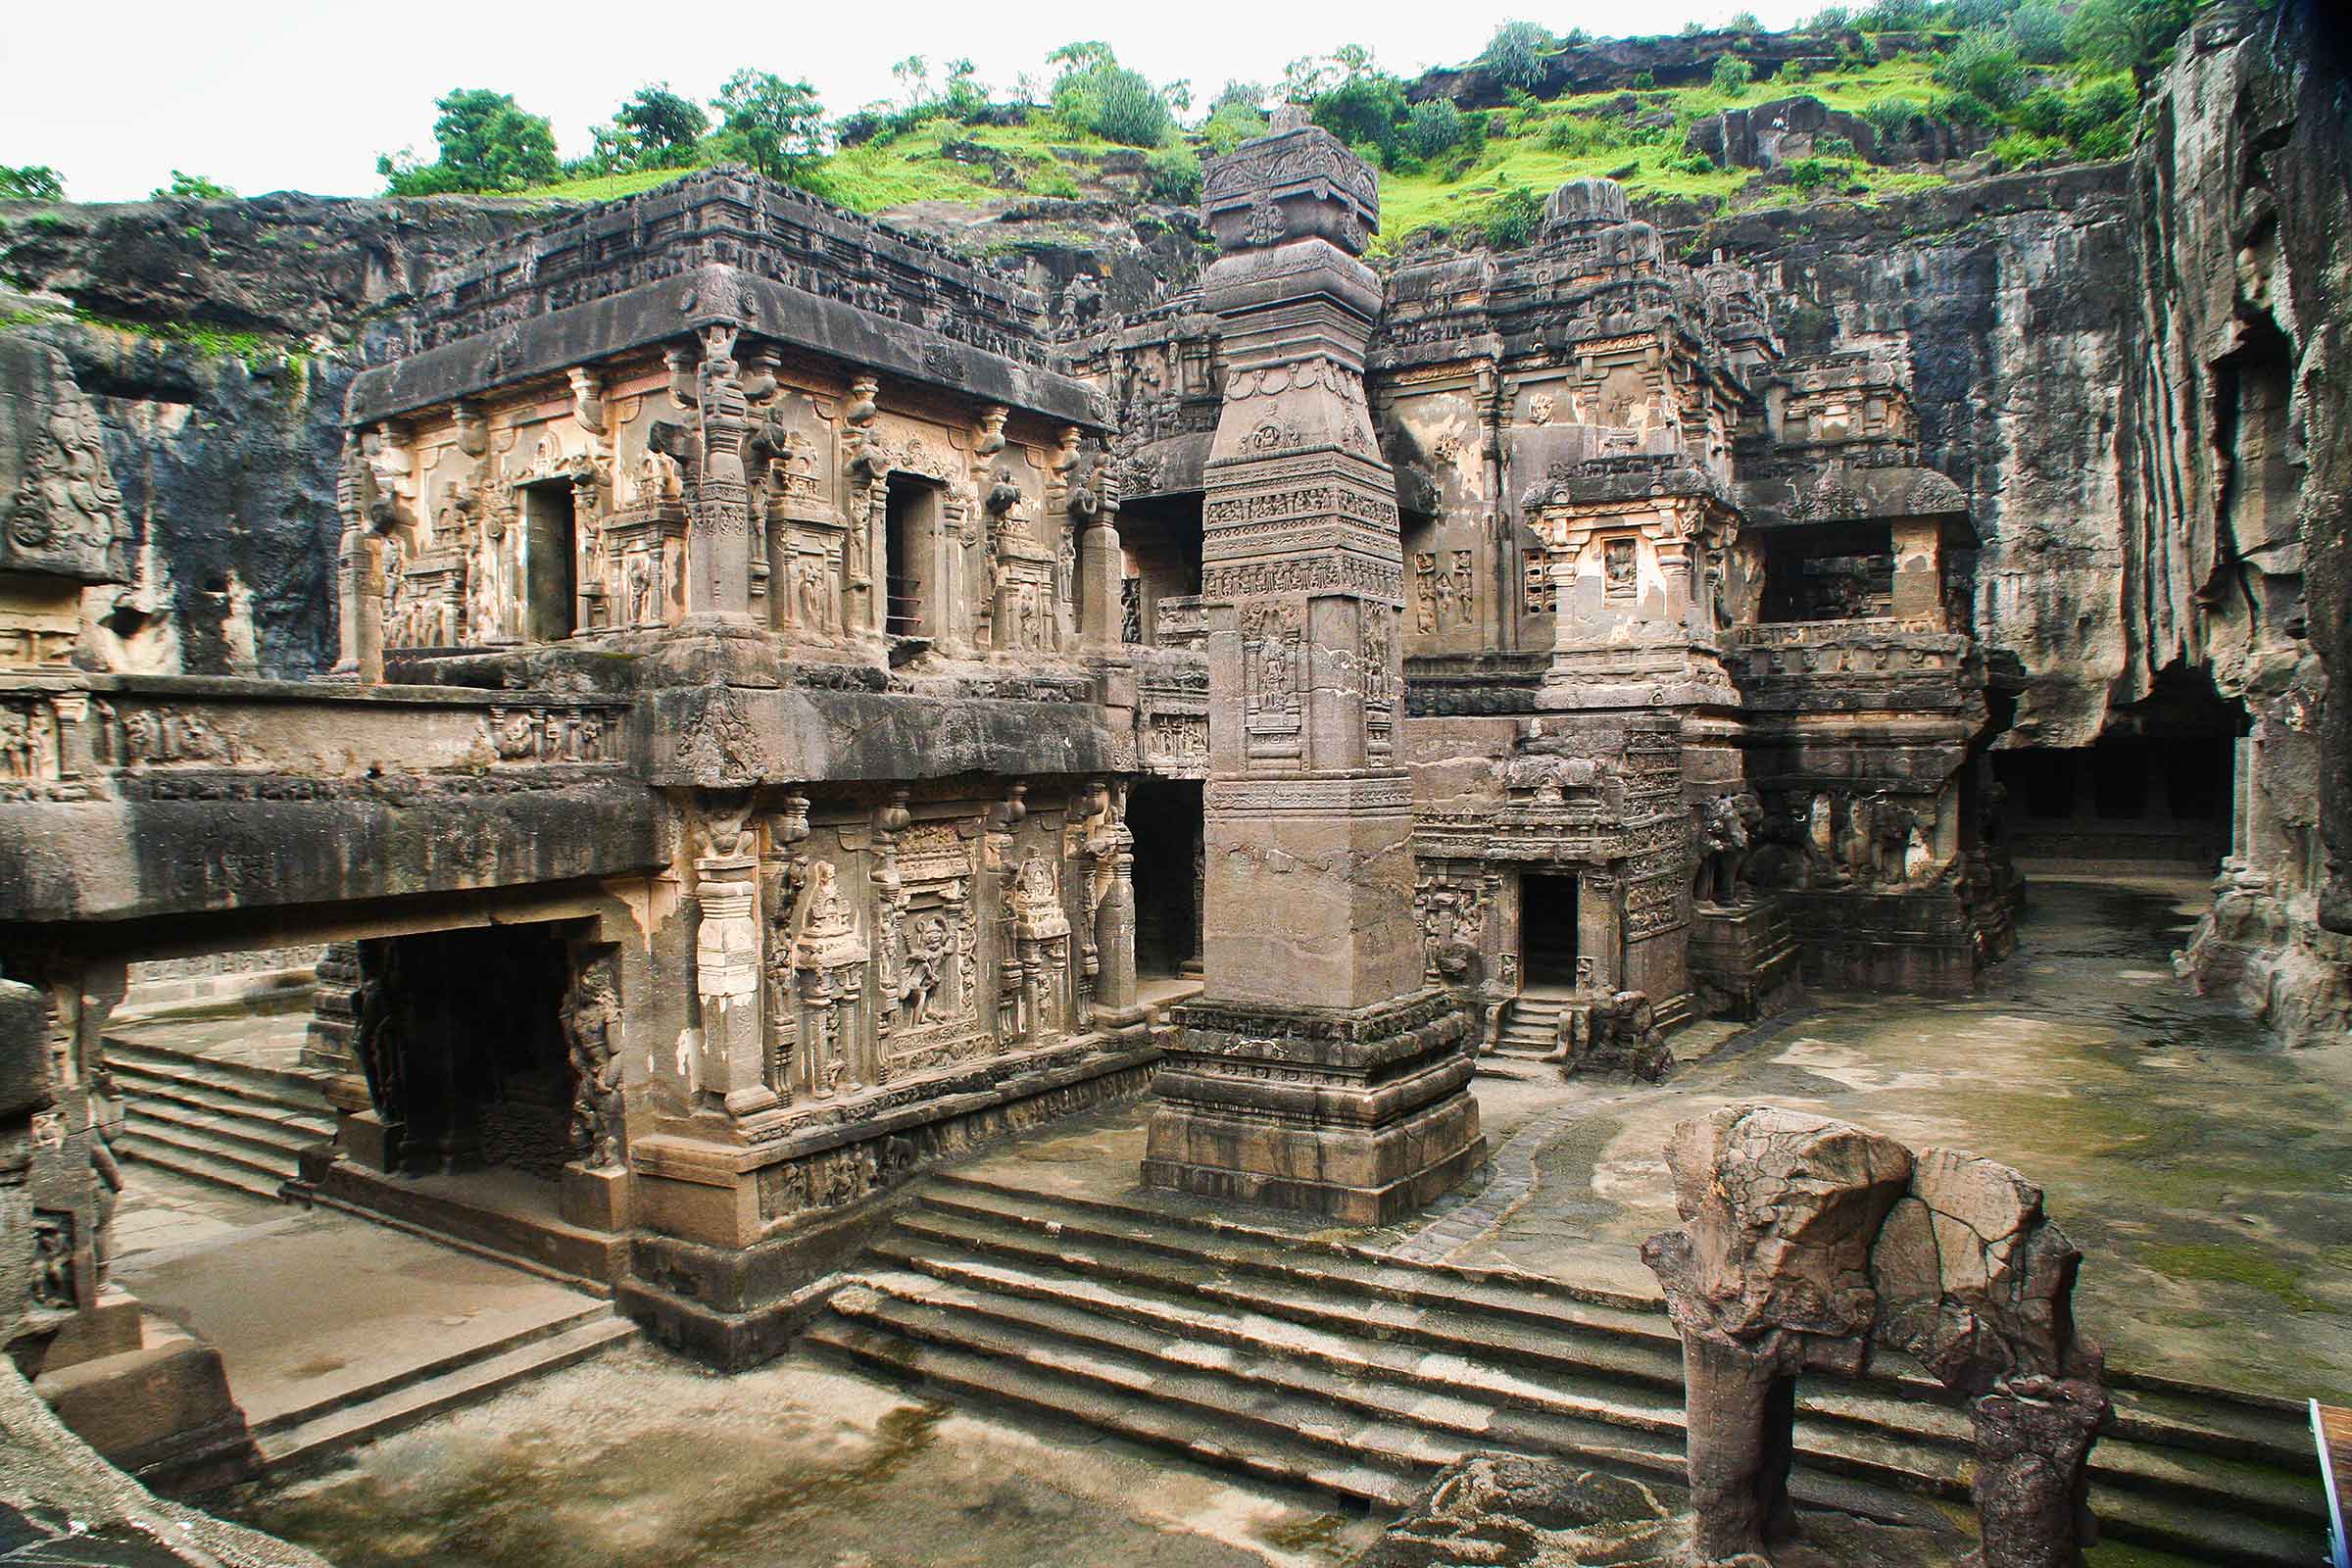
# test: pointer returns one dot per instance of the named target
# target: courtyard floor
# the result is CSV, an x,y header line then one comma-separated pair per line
x,y
2206,1174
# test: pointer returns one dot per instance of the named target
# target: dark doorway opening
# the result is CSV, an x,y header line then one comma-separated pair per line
x,y
1165,816
1828,571
2125,797
461,1040
1161,539
1548,935
910,540
550,542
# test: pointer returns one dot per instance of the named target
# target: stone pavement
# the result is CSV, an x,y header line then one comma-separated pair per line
x,y
643,1457
2205,1173
161,1209
311,1306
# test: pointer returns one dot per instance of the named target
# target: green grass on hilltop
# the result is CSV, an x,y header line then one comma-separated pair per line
x,y
1538,145
603,187
1530,146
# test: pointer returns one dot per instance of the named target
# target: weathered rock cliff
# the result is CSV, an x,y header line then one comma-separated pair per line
x,y
215,340
2237,478
2002,295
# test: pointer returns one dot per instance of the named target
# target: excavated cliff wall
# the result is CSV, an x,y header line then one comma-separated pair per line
x,y
2237,454
215,340
2005,296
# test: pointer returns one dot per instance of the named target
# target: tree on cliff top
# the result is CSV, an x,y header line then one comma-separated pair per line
x,y
1515,54
2135,35
661,127
1094,92
776,125
488,143
30,182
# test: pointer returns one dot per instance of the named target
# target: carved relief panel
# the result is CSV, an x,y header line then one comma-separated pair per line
x,y
1274,681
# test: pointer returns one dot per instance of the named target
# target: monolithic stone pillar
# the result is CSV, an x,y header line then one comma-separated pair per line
x,y
719,540
1114,935
1919,570
2033,1483
359,575
728,964
1100,566
1316,991
1738,1420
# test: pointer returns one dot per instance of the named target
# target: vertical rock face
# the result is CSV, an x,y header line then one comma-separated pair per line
x,y
2135,371
2238,526
213,342
2001,296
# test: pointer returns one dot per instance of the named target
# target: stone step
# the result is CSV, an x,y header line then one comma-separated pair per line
x,y
1897,1443
1234,1244
294,1089
139,1086
197,1166
1534,1358
306,1436
1638,1363
265,1168
1045,1390
286,1135
1121,1394
2148,1409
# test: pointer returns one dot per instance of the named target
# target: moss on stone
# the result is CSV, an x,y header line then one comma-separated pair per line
x,y
2232,1265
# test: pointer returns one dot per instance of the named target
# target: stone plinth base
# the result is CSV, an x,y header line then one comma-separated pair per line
x,y
160,1410
508,1213
1933,941
595,1200
1744,959
1362,1116
728,1237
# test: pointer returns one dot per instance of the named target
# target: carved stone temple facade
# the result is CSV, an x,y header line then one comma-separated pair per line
x,y
786,692
1691,707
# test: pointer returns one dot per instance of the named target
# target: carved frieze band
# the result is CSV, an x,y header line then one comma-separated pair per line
x,y
1378,794
1337,573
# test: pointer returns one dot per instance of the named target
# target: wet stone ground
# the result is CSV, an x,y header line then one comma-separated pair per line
x,y
2205,1172
643,1457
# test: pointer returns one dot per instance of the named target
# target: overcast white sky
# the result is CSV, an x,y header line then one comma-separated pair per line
x,y
117,93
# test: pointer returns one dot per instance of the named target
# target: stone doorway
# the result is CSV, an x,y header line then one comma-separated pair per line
x,y
1548,932
462,1041
1165,816
550,545
910,542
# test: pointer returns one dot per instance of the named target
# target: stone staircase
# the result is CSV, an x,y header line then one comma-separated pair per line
x,y
1531,1026
1360,1374
230,1123
324,1428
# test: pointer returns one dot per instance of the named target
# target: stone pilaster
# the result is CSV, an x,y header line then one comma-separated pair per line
x,y
1316,991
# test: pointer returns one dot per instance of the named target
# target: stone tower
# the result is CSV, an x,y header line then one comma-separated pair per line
x,y
1316,1072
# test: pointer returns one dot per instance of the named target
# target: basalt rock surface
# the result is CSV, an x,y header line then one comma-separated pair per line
x,y
215,341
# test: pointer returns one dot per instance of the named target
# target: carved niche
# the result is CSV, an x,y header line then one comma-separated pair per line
x,y
807,536
830,956
1274,680
927,946
61,514
1444,590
